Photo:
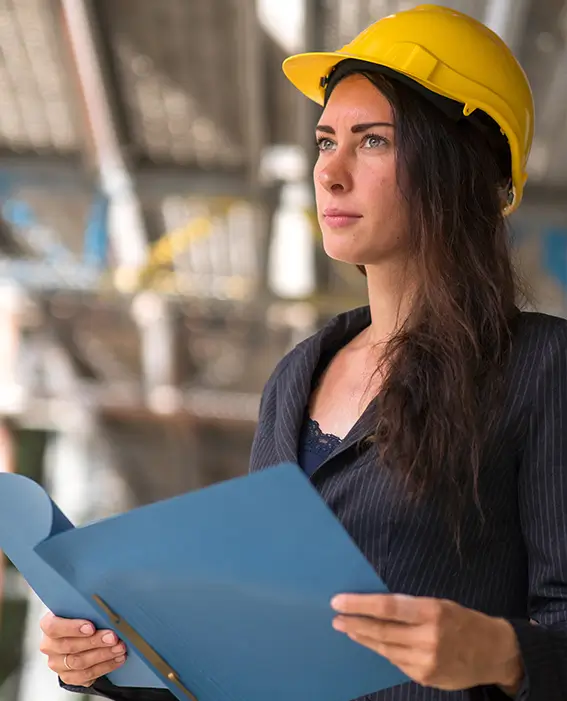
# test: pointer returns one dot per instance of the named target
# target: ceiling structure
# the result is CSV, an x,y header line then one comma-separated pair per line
x,y
184,85
195,93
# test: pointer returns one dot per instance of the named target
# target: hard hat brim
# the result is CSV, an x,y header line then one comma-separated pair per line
x,y
306,71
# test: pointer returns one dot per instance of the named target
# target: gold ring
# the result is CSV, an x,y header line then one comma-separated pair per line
x,y
66,663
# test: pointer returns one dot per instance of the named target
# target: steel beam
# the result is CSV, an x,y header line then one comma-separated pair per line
x,y
127,230
251,71
155,181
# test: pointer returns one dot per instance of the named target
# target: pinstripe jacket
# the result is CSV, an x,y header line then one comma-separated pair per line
x,y
515,566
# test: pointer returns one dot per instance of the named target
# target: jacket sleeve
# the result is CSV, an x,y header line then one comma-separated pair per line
x,y
543,511
102,687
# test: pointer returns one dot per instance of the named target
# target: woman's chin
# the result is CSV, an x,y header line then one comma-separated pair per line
x,y
343,251
354,252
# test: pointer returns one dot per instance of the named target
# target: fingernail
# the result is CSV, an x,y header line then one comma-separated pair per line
x,y
117,649
120,659
338,602
108,639
339,624
87,629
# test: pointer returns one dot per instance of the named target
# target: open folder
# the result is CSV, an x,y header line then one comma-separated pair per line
x,y
221,594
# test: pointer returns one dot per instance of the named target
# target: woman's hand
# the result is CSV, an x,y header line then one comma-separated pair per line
x,y
437,643
79,653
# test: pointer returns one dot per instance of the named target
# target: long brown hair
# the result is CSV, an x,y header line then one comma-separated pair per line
x,y
442,388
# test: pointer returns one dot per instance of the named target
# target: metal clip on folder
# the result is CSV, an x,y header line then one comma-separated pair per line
x,y
143,648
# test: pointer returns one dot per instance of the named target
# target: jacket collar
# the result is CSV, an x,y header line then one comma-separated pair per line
x,y
294,385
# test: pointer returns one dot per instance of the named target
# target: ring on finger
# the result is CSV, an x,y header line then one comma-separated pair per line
x,y
66,663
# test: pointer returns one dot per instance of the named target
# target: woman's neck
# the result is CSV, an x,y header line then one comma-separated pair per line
x,y
390,295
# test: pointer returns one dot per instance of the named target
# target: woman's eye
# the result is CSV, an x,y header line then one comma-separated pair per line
x,y
324,144
373,141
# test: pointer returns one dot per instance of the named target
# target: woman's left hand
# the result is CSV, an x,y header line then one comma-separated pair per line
x,y
437,643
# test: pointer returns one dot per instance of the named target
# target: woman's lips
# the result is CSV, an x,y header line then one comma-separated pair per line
x,y
338,219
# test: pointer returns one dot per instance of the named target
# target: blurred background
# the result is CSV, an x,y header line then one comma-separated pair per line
x,y
158,246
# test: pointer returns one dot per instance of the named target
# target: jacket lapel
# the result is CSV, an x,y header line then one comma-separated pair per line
x,y
294,390
359,434
295,384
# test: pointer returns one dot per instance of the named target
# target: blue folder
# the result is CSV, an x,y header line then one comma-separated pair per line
x,y
222,594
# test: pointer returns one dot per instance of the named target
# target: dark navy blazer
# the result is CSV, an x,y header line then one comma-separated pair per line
x,y
515,566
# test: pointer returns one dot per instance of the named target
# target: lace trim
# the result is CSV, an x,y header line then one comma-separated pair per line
x,y
318,442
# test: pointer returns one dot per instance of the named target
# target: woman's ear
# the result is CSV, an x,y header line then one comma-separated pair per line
x,y
506,193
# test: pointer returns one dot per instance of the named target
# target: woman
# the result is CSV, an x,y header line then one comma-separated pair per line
x,y
433,420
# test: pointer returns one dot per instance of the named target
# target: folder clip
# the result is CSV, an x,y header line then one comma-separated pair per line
x,y
146,650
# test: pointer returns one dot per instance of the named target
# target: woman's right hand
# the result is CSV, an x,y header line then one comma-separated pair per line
x,y
78,652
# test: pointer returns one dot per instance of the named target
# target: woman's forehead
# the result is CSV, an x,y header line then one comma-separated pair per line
x,y
357,99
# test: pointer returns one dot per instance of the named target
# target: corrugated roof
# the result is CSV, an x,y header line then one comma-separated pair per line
x,y
177,69
37,109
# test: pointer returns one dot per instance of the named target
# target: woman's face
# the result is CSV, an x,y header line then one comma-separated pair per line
x,y
360,208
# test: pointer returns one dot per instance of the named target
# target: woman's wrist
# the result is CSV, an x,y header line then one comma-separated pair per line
x,y
509,671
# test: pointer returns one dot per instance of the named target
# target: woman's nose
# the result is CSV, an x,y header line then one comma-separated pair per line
x,y
334,177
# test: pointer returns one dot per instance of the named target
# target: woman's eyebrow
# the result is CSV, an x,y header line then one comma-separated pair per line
x,y
355,129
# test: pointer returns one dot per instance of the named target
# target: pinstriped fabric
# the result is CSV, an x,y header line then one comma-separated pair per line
x,y
513,565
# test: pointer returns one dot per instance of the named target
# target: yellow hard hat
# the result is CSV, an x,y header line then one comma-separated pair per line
x,y
449,54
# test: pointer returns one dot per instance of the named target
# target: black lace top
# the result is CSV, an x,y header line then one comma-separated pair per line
x,y
314,446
